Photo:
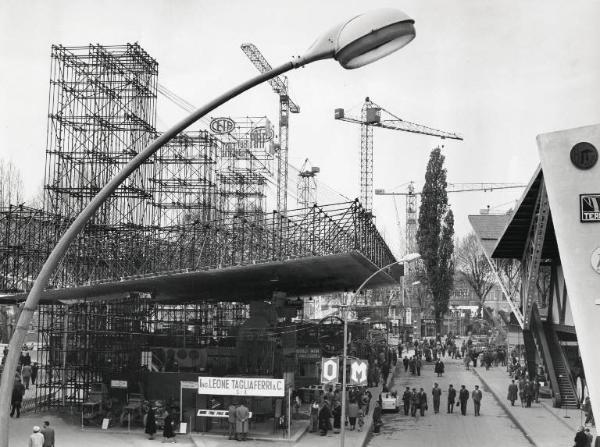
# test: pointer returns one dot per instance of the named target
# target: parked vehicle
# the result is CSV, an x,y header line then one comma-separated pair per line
x,y
390,402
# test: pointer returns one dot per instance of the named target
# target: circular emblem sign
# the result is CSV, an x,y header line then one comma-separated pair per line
x,y
595,260
221,126
584,155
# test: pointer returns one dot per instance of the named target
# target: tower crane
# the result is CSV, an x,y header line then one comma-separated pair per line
x,y
279,85
373,115
307,185
411,203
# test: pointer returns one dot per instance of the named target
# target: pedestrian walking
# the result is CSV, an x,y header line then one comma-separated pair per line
x,y
352,414
48,433
418,365
168,431
423,401
522,391
437,395
231,419
406,400
463,397
580,438
34,372
361,419
451,399
477,395
324,416
314,416
439,368
414,402
536,391
513,391
36,439
589,436
242,415
528,393
587,410
26,375
377,422
17,398
405,363
150,425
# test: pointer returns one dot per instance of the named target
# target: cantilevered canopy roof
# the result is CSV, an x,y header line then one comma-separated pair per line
x,y
513,238
295,277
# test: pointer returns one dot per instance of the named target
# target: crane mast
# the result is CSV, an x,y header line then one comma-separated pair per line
x,y
371,116
286,106
411,203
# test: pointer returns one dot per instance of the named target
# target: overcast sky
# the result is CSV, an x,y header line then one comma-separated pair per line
x,y
498,72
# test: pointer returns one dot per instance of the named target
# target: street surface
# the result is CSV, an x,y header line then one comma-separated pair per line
x,y
492,428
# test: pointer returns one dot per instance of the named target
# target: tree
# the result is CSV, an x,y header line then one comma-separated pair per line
x,y
11,184
473,266
435,236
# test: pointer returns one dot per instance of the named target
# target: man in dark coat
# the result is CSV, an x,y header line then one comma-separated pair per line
x,y
413,365
463,397
48,433
451,398
423,401
377,422
414,402
324,416
477,395
34,372
513,393
437,395
418,364
439,368
150,426
528,393
17,398
406,400
405,363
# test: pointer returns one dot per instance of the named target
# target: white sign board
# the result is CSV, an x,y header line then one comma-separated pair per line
x,y
189,385
105,423
241,386
329,370
216,414
358,372
118,383
182,428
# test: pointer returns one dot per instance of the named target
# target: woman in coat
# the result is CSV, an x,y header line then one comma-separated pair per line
x,y
314,416
377,423
324,416
352,414
168,432
150,427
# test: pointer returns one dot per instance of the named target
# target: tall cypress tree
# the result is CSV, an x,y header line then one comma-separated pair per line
x,y
435,236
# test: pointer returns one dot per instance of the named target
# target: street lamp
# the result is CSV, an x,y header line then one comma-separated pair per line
x,y
361,40
408,258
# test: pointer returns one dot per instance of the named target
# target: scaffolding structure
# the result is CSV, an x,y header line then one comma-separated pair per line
x,y
197,204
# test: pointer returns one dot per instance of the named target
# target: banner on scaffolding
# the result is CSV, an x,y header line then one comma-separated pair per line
x,y
241,386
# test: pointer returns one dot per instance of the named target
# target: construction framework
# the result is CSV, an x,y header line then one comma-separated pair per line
x,y
198,204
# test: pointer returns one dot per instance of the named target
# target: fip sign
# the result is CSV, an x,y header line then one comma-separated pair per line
x,y
330,370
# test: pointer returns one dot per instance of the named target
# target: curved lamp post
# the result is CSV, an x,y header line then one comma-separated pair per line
x,y
356,42
408,258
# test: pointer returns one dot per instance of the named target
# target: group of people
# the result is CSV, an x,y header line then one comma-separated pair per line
x,y
42,437
239,420
415,401
526,390
151,427
326,410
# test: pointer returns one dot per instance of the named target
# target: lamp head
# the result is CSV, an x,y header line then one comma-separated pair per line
x,y
363,39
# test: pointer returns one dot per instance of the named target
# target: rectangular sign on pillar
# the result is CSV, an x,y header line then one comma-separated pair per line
x,y
330,370
571,173
358,372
